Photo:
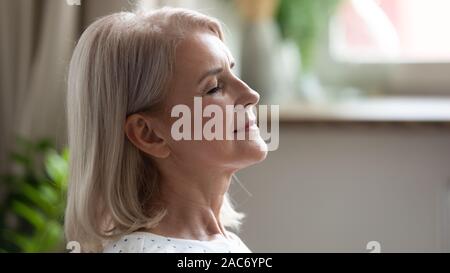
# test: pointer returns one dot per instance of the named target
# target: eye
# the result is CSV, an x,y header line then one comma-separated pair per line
x,y
214,90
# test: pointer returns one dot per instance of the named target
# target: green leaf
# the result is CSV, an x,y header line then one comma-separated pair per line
x,y
44,145
22,241
32,216
57,168
52,237
304,21
36,197
49,193
21,159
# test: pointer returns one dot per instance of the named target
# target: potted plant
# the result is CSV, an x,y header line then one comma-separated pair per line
x,y
33,200
305,21
269,64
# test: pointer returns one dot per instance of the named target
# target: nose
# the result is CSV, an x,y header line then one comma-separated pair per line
x,y
246,96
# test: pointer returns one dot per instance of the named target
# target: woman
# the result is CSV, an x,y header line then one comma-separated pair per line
x,y
132,186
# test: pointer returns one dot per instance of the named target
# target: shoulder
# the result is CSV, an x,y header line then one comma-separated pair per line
x,y
144,242
234,237
131,243
240,245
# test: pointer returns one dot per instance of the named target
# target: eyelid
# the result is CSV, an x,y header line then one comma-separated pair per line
x,y
218,86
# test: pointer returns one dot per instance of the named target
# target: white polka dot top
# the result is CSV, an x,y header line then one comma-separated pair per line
x,y
146,242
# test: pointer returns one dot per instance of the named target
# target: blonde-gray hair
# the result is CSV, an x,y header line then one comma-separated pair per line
x,y
121,65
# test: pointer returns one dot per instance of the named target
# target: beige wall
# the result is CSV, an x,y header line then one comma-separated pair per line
x,y
336,187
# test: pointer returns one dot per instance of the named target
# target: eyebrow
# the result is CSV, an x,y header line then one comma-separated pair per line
x,y
213,72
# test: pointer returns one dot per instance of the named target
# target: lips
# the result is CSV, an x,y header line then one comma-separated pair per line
x,y
248,125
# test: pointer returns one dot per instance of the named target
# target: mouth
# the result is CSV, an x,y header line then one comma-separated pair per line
x,y
249,125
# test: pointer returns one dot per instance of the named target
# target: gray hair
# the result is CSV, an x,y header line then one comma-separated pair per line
x,y
122,64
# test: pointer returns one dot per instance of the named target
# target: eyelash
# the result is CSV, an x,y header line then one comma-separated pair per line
x,y
214,90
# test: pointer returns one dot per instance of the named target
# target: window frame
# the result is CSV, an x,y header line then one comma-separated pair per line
x,y
397,78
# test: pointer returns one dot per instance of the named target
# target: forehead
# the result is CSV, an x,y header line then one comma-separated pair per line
x,y
200,51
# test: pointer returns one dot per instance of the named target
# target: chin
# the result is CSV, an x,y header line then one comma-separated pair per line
x,y
250,152
260,151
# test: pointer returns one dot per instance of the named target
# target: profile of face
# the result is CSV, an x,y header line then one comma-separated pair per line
x,y
203,69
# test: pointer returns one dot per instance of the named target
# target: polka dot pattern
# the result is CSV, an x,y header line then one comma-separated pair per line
x,y
145,242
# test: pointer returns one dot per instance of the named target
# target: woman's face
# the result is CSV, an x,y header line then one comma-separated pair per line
x,y
203,69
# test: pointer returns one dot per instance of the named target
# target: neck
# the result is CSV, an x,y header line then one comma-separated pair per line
x,y
193,204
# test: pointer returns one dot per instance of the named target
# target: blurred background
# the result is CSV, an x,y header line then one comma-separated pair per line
x,y
364,97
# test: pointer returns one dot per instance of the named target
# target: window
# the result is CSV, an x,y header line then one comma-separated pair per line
x,y
399,47
392,31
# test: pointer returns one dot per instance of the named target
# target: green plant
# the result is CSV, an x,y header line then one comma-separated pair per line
x,y
32,208
304,22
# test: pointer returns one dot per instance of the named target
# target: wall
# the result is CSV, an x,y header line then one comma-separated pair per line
x,y
337,187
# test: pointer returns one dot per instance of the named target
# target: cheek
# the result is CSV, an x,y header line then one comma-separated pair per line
x,y
235,153
216,153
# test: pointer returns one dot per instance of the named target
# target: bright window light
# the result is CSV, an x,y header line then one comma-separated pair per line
x,y
391,31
